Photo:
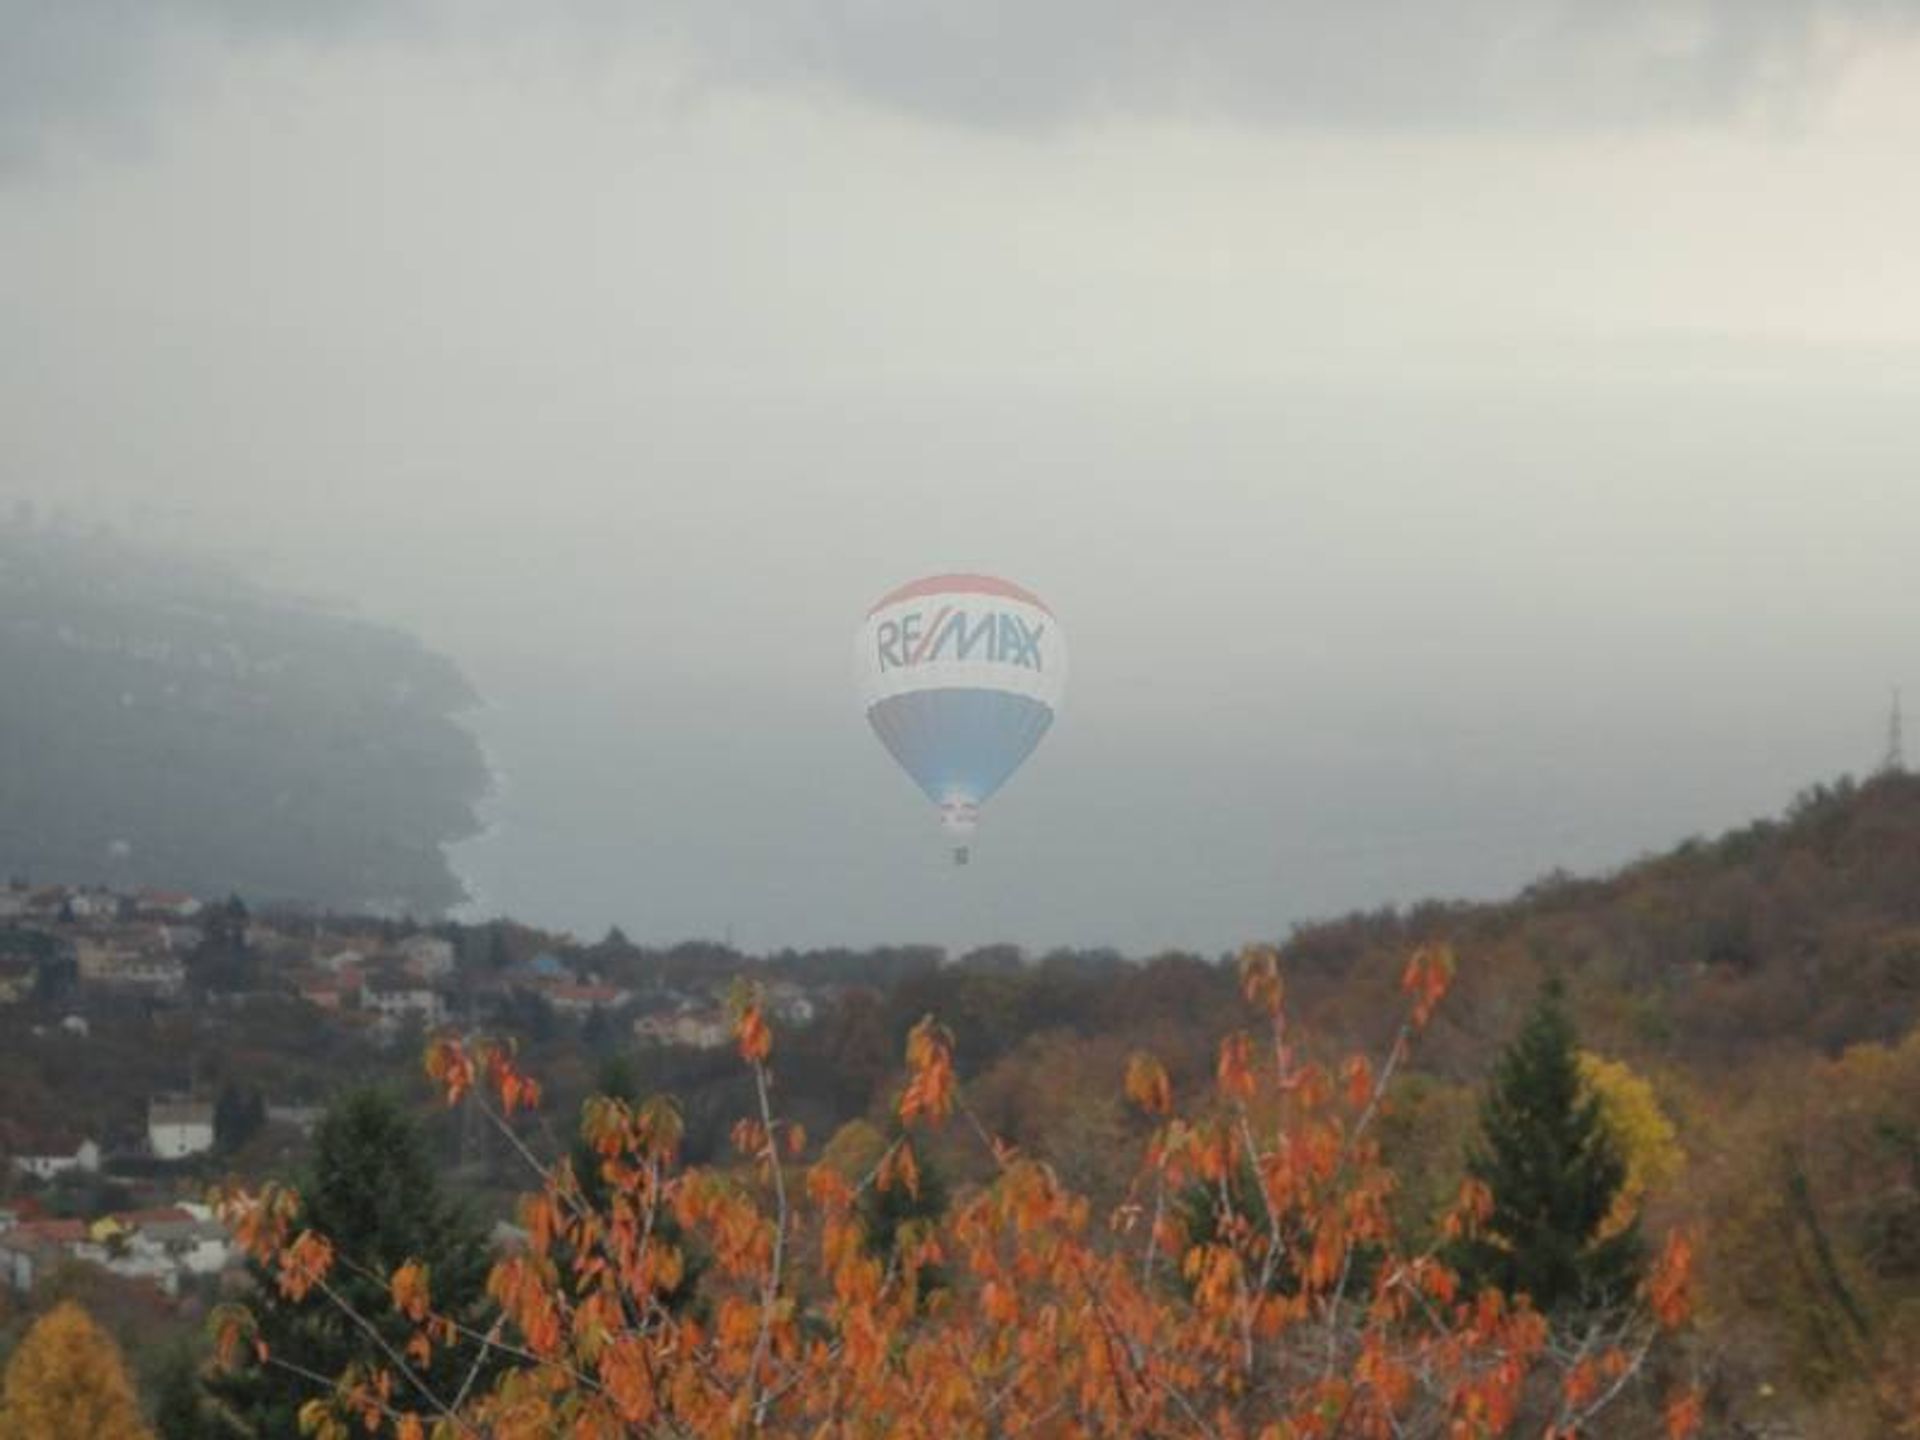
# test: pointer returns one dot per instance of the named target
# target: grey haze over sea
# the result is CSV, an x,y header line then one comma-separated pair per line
x,y
1459,441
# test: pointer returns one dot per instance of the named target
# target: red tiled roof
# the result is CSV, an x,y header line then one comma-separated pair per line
x,y
585,994
170,1215
53,1232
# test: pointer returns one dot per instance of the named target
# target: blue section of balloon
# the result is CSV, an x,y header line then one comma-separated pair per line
x,y
960,744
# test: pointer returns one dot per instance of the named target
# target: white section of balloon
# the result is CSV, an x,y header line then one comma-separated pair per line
x,y
960,676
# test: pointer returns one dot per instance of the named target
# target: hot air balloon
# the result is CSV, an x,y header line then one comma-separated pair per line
x,y
960,676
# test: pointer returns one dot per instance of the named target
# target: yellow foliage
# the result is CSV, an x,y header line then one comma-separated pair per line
x,y
67,1379
1645,1137
853,1151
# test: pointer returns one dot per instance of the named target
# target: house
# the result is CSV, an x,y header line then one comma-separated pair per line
x,y
299,1117
340,960
160,1246
544,966
166,905
790,1004
47,902
579,1001
16,981
149,973
329,990
695,1029
117,963
93,905
426,957
177,1127
35,1248
57,1156
398,997
103,951
180,939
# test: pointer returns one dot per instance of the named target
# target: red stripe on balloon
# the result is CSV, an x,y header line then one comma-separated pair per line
x,y
960,583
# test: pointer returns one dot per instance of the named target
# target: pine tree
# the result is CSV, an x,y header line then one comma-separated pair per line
x,y
239,1111
619,1079
1554,1173
68,1379
179,1412
373,1190
888,1211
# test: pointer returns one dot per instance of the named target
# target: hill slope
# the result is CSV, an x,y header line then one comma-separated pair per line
x,y
1801,932
163,723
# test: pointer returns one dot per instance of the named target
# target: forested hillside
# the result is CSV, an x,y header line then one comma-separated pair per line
x,y
1748,1005
164,724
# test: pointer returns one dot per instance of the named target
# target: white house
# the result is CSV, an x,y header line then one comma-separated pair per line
x,y
691,1028
396,998
93,904
426,957
59,1160
339,960
179,1128
167,904
579,1001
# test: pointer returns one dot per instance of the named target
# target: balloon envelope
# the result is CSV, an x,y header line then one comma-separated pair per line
x,y
960,676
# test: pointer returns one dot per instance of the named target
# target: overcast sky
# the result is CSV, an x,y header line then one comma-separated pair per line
x,y
1459,439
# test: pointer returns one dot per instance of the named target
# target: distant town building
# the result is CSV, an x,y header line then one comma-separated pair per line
x,y
581,1000
426,957
397,998
93,904
329,990
338,960
17,981
545,966
34,1248
177,1128
790,1004
298,1117
162,1246
60,1155
695,1029
166,905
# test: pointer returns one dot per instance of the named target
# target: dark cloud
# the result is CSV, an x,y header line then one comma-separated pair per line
x,y
1376,63
1019,64
101,65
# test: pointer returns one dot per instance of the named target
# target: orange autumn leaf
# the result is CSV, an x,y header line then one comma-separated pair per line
x,y
408,1288
929,1093
1427,977
1234,1071
1683,1415
1669,1285
1147,1084
754,1037
1260,979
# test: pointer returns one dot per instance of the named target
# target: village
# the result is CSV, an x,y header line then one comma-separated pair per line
x,y
80,965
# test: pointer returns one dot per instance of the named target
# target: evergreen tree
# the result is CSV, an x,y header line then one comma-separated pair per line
x,y
238,1113
887,1211
68,1379
372,1189
619,1079
1554,1172
179,1412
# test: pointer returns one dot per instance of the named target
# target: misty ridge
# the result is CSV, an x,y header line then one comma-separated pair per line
x,y
167,724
